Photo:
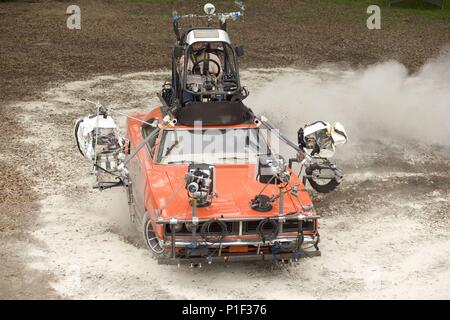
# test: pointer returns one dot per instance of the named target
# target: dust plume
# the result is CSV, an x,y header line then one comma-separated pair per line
x,y
382,102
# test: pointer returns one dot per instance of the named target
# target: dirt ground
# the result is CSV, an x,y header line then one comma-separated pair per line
x,y
385,230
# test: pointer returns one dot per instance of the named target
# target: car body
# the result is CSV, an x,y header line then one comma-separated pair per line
x,y
155,202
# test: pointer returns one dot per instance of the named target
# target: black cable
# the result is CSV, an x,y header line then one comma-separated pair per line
x,y
206,233
267,235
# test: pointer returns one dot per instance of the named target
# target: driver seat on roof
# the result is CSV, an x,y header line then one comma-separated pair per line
x,y
204,59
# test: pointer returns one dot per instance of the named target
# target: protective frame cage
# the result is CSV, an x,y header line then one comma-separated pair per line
x,y
173,92
281,245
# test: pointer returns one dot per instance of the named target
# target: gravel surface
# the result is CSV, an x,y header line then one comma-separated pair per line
x,y
384,231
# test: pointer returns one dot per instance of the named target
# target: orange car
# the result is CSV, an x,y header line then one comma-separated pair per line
x,y
202,172
231,225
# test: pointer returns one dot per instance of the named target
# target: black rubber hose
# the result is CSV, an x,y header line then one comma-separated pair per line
x,y
273,232
206,235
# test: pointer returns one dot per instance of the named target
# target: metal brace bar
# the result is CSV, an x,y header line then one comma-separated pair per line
x,y
286,217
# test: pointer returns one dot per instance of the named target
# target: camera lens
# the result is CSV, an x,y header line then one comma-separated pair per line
x,y
193,187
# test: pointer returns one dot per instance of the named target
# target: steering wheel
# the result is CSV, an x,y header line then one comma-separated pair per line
x,y
209,60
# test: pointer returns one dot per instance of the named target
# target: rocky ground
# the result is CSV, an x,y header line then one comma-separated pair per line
x,y
385,230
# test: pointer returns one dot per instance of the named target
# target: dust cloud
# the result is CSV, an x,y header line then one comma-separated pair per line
x,y
381,102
